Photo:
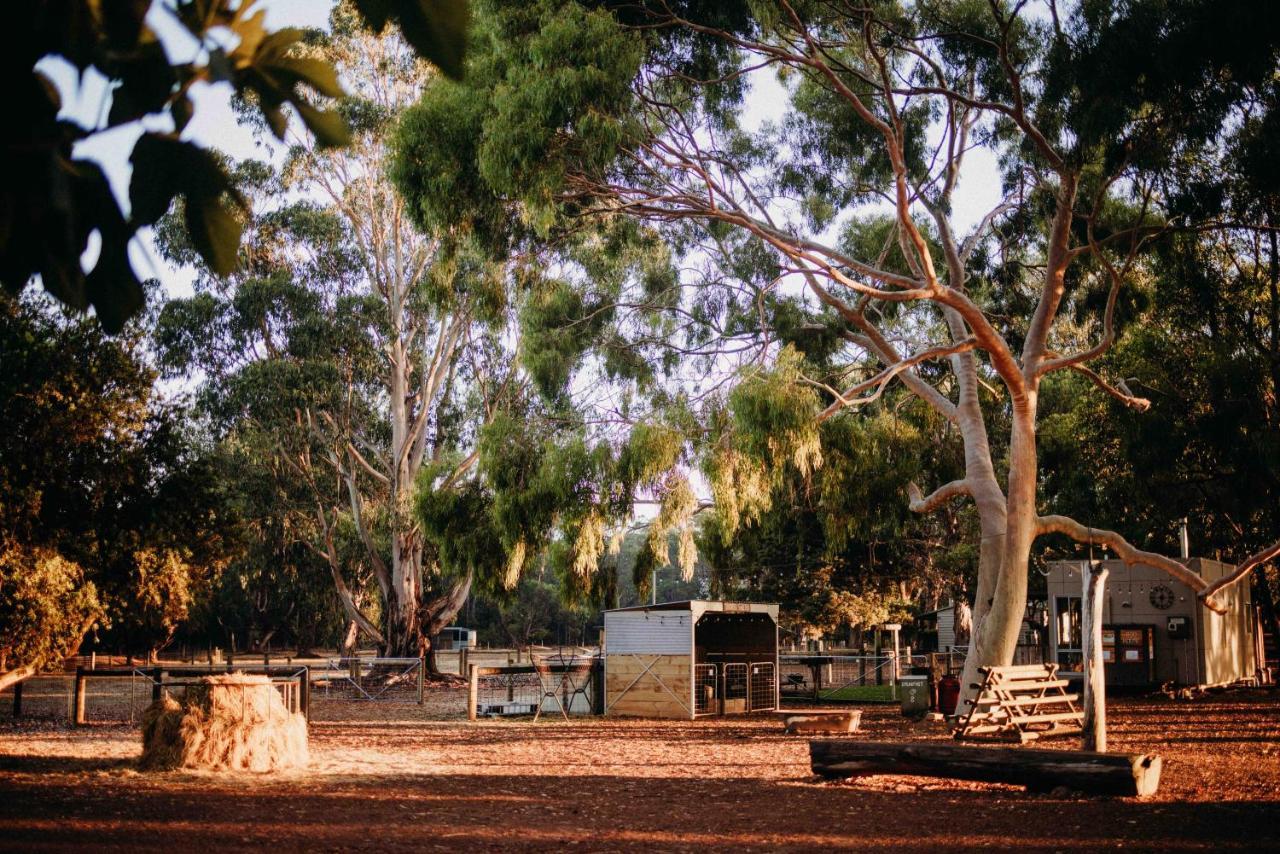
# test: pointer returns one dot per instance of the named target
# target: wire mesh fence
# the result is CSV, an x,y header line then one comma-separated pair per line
x,y
734,688
368,678
706,689
841,678
560,685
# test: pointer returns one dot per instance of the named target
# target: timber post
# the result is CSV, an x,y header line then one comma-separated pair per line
x,y
304,694
77,700
17,700
157,676
473,692
422,678
1094,733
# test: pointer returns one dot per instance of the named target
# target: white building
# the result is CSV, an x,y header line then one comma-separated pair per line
x,y
1155,630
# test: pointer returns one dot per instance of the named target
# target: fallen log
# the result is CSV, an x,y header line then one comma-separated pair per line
x,y
1134,775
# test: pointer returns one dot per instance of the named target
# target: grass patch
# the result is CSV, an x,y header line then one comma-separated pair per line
x,y
861,694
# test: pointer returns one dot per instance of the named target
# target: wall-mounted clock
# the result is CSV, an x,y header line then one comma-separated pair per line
x,y
1162,596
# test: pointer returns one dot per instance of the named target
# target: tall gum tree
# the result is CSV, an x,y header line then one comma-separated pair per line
x,y
1092,111
351,346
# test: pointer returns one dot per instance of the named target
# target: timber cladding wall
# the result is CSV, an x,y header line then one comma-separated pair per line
x,y
651,686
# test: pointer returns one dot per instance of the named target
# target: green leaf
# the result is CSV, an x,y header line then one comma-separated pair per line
x,y
329,127
147,81
316,73
157,162
112,287
164,167
437,30
251,32
215,232
276,120
182,111
122,22
376,13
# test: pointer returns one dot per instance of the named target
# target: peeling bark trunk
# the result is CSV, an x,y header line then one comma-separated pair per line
x,y
349,639
440,612
1094,732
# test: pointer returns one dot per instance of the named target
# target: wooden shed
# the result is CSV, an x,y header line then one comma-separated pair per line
x,y
693,658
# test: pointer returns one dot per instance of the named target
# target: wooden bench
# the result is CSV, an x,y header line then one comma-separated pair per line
x,y
1026,702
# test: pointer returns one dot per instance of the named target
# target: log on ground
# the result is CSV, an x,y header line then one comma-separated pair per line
x,y
1039,770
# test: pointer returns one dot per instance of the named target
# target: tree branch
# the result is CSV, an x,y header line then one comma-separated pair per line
x,y
882,379
1127,552
922,504
1242,571
1120,391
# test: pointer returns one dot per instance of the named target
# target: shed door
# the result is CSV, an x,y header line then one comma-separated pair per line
x,y
1129,653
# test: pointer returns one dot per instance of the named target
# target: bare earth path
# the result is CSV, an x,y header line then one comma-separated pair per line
x,y
386,777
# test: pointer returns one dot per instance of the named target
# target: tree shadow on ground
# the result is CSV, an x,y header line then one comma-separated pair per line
x,y
63,764
606,813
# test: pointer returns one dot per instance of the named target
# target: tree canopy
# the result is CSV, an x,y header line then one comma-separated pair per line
x,y
1107,121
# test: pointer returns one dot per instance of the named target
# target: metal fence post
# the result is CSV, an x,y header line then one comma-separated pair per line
x,y
473,692
422,679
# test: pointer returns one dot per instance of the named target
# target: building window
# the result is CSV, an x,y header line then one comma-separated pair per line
x,y
1070,643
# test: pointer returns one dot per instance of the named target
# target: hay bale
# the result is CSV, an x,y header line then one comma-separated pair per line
x,y
232,722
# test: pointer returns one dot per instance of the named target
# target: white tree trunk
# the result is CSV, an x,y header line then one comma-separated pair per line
x,y
1095,683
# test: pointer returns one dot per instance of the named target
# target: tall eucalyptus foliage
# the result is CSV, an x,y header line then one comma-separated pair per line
x,y
1094,112
351,347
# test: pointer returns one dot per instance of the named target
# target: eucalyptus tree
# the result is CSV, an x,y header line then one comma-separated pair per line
x,y
352,344
1092,111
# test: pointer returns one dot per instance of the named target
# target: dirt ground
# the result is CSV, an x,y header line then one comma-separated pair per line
x,y
403,777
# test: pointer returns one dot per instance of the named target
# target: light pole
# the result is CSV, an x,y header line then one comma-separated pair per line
x,y
894,628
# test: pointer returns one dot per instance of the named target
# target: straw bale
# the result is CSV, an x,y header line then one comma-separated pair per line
x,y
232,722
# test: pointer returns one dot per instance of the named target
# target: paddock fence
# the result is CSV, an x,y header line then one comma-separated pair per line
x,y
559,685
841,678
368,678
734,687
119,695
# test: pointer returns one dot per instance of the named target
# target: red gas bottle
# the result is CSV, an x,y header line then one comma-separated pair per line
x,y
948,694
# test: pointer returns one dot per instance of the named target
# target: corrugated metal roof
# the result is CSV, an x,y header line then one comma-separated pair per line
x,y
699,607
656,632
